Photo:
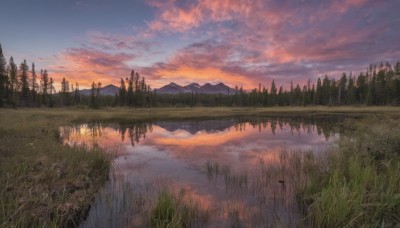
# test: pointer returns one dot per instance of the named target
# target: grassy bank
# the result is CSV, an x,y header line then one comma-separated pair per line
x,y
361,185
47,184
44,183
65,115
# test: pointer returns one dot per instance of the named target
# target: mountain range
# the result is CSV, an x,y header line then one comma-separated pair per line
x,y
172,88
207,88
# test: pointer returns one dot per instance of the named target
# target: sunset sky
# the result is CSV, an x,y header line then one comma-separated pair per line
x,y
238,42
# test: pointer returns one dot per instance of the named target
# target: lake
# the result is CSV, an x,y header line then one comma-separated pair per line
x,y
234,171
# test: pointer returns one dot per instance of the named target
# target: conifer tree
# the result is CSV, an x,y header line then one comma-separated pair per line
x,y
33,85
273,93
131,82
44,82
23,68
76,93
51,88
122,93
3,77
92,95
12,71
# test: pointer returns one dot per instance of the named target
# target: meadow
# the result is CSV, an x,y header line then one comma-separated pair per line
x,y
45,183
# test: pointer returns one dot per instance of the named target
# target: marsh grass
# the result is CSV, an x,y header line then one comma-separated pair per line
x,y
44,183
354,183
152,203
47,184
362,184
172,211
268,194
232,181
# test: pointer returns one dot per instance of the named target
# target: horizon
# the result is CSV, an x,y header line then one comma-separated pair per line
x,y
241,43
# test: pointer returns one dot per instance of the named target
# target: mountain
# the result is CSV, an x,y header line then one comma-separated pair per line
x,y
207,88
109,90
172,88
194,126
215,89
194,87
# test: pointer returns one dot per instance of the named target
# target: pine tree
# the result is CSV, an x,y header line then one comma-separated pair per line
x,y
23,68
34,85
397,69
51,88
122,93
98,88
370,99
361,90
342,89
65,92
76,93
273,93
44,82
92,95
351,93
131,85
12,71
3,77
318,93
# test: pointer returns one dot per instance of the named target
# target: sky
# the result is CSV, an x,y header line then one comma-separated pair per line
x,y
237,42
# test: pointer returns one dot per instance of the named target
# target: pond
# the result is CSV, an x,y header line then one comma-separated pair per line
x,y
233,171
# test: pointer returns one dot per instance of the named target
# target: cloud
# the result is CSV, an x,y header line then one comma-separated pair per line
x,y
88,65
241,42
284,40
119,42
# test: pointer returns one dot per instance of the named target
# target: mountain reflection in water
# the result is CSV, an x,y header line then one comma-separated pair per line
x,y
179,151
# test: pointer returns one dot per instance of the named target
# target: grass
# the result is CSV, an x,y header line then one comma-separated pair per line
x,y
172,211
356,183
152,203
47,184
65,115
43,182
361,187
233,181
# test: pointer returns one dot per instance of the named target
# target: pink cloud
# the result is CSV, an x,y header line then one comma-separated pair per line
x,y
88,65
244,42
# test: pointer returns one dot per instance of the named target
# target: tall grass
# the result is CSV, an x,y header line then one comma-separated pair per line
x,y
154,203
362,184
172,211
44,183
271,186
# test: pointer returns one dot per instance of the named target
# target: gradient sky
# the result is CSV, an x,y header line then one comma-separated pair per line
x,y
238,42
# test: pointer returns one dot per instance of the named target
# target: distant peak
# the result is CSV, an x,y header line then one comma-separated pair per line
x,y
110,85
192,85
173,84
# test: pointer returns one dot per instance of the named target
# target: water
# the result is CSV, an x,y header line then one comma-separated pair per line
x,y
251,186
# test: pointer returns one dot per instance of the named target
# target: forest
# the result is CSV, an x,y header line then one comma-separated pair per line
x,y
21,86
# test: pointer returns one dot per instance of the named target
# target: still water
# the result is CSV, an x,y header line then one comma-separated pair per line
x,y
149,157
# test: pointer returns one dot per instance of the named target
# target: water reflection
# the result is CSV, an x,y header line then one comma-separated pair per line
x,y
181,151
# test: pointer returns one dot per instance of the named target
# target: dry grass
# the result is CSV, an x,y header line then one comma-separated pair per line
x,y
64,115
43,182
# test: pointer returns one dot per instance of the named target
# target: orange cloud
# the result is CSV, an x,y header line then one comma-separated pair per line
x,y
88,65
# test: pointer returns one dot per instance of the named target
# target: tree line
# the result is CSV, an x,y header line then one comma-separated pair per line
x,y
20,86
